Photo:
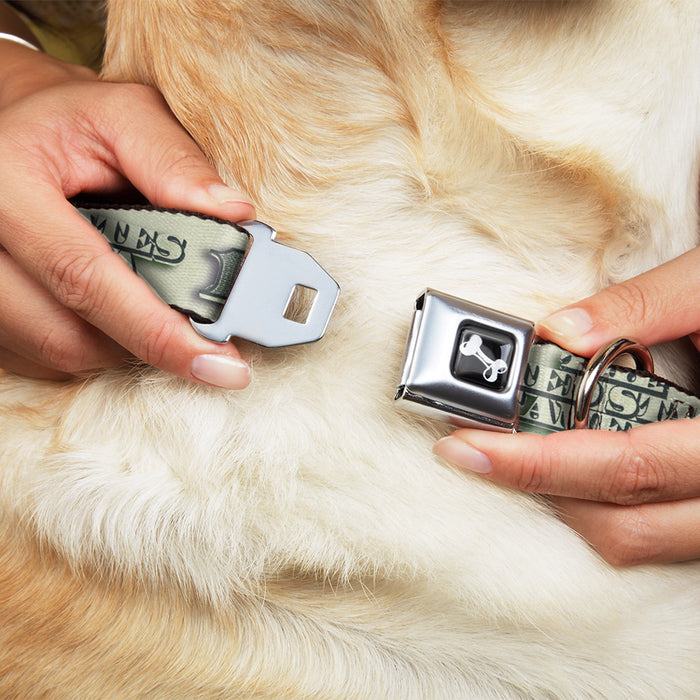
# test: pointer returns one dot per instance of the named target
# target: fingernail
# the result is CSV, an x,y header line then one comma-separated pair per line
x,y
569,323
221,370
226,195
463,455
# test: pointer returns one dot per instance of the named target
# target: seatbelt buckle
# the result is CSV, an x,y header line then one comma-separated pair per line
x,y
257,308
464,363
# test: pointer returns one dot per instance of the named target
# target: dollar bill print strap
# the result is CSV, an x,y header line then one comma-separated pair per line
x,y
621,398
474,366
232,279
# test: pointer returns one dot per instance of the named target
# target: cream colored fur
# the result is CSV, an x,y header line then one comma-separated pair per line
x,y
298,539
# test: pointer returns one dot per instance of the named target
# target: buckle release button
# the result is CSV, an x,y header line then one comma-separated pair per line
x,y
483,356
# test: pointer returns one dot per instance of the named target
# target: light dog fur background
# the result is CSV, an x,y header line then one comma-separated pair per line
x,y
298,538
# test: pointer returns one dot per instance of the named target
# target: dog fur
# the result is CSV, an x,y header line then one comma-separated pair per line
x,y
298,539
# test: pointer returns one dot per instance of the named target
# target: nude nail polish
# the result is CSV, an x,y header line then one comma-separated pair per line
x,y
463,455
569,323
226,195
221,370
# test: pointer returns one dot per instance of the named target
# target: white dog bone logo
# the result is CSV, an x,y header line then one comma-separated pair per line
x,y
472,346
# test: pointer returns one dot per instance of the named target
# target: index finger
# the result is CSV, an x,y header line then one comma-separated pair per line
x,y
56,245
659,305
654,462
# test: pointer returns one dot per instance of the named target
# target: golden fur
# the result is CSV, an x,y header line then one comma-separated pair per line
x,y
298,539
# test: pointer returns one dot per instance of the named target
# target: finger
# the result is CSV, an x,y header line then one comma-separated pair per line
x,y
17,364
659,305
157,155
643,534
654,462
35,326
90,280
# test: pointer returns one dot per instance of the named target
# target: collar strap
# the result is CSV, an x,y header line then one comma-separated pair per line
x,y
476,367
231,279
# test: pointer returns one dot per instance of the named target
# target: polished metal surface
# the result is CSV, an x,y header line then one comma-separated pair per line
x,y
257,305
429,384
595,368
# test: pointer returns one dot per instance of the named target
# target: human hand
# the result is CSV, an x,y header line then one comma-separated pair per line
x,y
635,495
62,290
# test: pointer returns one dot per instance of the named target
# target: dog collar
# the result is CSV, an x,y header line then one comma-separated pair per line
x,y
231,279
476,367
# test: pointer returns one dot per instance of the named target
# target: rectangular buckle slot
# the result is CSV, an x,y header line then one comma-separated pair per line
x,y
300,303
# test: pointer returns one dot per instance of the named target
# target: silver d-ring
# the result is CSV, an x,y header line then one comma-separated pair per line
x,y
597,365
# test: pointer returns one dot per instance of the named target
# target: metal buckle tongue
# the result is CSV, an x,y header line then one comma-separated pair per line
x,y
464,363
257,305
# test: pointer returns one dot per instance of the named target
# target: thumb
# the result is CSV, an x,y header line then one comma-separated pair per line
x,y
656,306
164,163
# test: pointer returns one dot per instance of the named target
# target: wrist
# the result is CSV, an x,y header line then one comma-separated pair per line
x,y
24,71
4,36
12,24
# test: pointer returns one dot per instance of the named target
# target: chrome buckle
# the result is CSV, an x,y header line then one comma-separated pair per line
x,y
260,296
464,363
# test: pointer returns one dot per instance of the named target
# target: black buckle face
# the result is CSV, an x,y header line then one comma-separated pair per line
x,y
464,363
483,356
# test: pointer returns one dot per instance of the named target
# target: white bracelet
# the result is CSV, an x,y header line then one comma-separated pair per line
x,y
18,40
